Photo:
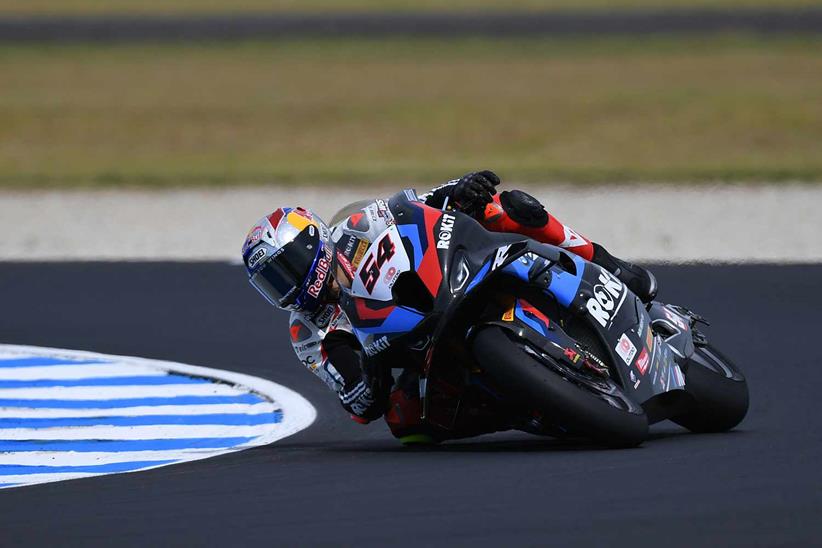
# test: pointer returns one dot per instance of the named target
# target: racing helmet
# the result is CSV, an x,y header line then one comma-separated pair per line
x,y
288,257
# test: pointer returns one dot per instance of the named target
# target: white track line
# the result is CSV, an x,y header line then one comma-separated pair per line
x,y
145,410
152,432
119,392
76,372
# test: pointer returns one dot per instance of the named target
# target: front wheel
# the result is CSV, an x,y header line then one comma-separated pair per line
x,y
718,392
602,414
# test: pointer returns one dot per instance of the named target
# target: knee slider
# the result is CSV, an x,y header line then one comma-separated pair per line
x,y
523,208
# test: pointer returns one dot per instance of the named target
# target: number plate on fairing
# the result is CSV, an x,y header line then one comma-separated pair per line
x,y
382,264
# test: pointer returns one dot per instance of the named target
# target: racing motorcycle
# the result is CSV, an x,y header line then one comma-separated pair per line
x,y
503,332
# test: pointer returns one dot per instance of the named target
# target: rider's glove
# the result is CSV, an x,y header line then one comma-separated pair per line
x,y
474,191
361,402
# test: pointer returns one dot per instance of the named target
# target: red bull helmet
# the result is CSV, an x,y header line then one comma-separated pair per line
x,y
288,258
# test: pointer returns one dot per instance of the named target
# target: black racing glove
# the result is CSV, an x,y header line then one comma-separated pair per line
x,y
474,191
364,394
362,402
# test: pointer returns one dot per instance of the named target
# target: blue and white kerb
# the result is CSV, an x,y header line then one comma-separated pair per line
x,y
67,414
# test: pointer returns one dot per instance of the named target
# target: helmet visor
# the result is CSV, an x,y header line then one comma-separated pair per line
x,y
283,275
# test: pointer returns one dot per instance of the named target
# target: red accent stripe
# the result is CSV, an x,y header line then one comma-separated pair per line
x,y
366,313
528,307
275,217
429,271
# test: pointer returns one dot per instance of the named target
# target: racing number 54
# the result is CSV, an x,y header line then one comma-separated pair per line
x,y
370,272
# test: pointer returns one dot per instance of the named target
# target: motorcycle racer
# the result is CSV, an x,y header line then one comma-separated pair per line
x,y
297,263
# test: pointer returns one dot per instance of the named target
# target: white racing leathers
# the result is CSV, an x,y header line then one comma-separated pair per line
x,y
326,336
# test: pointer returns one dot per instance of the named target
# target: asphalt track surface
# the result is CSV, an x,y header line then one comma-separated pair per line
x,y
339,483
375,25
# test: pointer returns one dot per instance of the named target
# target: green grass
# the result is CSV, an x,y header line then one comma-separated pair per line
x,y
81,7
411,111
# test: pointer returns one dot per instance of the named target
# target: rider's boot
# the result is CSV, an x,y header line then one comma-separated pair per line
x,y
639,280
519,212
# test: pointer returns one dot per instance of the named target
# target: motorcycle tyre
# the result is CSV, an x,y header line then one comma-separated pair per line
x,y
718,403
516,373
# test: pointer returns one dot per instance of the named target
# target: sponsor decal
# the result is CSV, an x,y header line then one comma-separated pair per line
x,y
499,258
257,257
649,339
608,297
571,354
372,213
323,317
641,327
384,212
635,380
337,320
377,346
325,233
446,228
306,346
299,348
493,211
349,245
254,236
391,276
509,315
321,274
676,319
626,349
346,266
362,247
643,361
572,239
370,272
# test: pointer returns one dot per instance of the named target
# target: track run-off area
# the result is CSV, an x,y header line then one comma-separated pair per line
x,y
340,483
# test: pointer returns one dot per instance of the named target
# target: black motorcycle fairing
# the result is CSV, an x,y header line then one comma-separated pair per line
x,y
674,328
467,274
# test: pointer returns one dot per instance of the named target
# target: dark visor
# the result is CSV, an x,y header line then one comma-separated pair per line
x,y
282,276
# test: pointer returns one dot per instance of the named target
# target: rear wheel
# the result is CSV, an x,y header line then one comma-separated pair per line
x,y
596,408
717,390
